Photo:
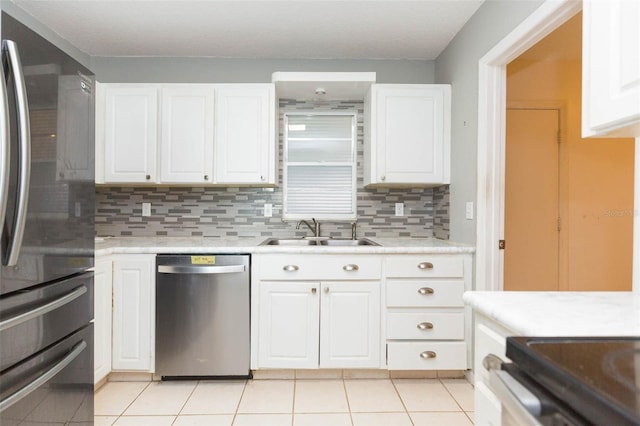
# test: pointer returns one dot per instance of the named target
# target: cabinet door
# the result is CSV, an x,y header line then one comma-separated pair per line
x,y
186,147
245,134
350,325
102,318
288,326
611,68
131,121
75,147
133,312
410,134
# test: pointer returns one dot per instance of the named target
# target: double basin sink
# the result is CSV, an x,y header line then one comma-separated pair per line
x,y
318,241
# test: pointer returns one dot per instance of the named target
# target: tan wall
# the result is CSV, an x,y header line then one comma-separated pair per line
x,y
596,181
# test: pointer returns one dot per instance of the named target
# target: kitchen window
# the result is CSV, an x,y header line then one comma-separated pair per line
x,y
319,172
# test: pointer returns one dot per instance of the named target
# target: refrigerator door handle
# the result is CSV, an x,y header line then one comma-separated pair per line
x,y
4,147
44,378
24,154
41,310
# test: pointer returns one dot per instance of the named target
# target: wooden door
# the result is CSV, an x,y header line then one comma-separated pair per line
x,y
531,216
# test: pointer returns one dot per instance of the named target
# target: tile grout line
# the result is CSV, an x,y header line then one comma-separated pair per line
x,y
346,396
293,405
185,401
406,410
454,398
235,414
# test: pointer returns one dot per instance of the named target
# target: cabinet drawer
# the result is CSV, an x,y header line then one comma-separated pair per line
x,y
319,267
423,266
427,356
425,326
424,293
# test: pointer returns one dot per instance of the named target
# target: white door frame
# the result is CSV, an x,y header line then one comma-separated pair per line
x,y
492,104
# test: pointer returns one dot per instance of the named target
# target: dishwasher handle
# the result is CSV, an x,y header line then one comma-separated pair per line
x,y
200,269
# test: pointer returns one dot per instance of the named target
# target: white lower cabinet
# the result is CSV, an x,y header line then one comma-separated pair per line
x,y
324,323
102,300
133,312
426,326
490,338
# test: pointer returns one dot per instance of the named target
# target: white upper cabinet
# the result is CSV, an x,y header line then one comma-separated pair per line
x,y
186,144
611,68
195,134
245,150
130,134
407,137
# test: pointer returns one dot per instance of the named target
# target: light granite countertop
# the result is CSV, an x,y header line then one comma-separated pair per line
x,y
549,314
109,245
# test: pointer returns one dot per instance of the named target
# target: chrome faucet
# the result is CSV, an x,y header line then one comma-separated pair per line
x,y
315,228
354,230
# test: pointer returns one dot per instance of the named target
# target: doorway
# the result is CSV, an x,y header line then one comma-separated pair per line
x,y
532,221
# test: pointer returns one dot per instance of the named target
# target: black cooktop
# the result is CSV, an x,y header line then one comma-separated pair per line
x,y
597,377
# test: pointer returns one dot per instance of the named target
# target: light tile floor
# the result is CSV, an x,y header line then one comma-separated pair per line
x,y
356,402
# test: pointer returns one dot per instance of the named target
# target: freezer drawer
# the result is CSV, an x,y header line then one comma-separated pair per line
x,y
55,386
31,320
202,316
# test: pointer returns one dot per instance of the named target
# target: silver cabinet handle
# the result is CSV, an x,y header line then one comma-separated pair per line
x,y
4,148
24,155
425,326
206,177
382,178
350,267
193,269
290,268
425,265
427,354
41,310
425,291
326,289
148,177
314,290
262,178
44,378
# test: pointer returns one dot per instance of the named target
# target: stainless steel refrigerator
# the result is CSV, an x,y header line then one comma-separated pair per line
x,y
46,213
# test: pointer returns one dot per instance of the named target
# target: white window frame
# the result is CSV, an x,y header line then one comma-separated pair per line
x,y
353,163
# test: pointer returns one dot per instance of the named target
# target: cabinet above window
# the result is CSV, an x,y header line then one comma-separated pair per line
x,y
197,134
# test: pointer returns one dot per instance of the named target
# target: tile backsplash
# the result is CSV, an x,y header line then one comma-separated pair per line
x,y
225,212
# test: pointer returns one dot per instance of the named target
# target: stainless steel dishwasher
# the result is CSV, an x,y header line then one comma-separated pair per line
x,y
202,316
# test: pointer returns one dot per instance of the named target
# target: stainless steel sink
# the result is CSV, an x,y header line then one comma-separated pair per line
x,y
318,242
287,242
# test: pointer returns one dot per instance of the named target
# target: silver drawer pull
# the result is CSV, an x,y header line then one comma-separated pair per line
x,y
425,291
425,265
290,268
427,354
314,290
350,267
425,326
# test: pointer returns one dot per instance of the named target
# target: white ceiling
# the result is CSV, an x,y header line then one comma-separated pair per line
x,y
289,29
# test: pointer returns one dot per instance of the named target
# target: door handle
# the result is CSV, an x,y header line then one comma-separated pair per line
x,y
41,310
191,269
5,149
24,154
44,378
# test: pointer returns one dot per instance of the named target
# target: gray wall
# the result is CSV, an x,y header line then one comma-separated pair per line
x,y
45,32
226,70
458,65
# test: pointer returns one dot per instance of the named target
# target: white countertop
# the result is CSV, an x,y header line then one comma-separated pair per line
x,y
550,314
110,245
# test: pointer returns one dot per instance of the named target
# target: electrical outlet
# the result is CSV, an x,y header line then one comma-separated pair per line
x,y
469,210
146,209
268,209
399,209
